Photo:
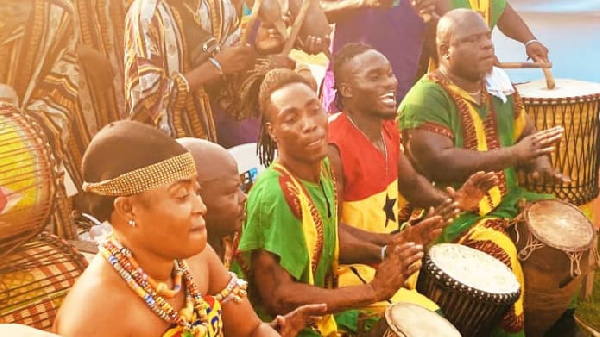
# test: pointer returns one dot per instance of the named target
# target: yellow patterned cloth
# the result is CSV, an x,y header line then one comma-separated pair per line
x,y
102,27
213,314
35,279
157,55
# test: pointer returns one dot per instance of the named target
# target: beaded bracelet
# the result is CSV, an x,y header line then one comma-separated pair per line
x,y
235,289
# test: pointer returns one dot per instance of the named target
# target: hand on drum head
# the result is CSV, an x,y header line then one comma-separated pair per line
x,y
401,261
471,192
538,144
294,322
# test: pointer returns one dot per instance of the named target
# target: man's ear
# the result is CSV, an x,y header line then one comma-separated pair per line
x,y
345,90
271,131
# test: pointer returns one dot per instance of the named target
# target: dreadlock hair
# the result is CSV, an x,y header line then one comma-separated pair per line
x,y
274,80
343,56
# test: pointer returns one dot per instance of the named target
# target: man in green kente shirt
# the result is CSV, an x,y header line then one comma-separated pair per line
x,y
449,120
289,240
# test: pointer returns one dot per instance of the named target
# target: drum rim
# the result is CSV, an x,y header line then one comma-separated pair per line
x,y
393,327
558,100
441,278
537,235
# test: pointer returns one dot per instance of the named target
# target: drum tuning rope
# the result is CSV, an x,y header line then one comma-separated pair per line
x,y
532,245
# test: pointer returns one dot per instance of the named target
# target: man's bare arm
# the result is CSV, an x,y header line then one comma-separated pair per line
x,y
416,188
441,161
280,293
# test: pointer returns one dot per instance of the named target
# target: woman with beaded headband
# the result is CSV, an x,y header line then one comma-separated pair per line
x,y
156,273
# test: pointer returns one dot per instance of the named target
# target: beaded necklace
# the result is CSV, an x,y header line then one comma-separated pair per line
x,y
121,260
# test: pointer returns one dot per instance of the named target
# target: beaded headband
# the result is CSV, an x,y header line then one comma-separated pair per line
x,y
168,171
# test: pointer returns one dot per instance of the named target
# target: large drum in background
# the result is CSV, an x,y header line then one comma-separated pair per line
x,y
27,178
473,289
554,240
35,278
574,105
410,320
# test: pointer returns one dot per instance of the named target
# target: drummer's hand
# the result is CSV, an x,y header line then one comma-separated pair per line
x,y
470,193
538,144
401,262
292,323
537,52
543,170
423,232
431,226
313,45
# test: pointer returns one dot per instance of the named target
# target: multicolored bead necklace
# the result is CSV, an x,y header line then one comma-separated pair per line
x,y
121,259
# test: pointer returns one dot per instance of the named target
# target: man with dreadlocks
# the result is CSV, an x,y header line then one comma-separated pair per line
x,y
290,238
369,164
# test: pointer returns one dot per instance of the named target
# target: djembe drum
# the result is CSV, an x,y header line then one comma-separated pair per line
x,y
575,106
555,244
410,320
473,289
28,178
35,278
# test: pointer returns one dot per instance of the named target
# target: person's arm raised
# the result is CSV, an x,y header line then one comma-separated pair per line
x,y
513,26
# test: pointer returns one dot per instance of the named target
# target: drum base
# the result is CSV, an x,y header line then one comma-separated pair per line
x,y
544,304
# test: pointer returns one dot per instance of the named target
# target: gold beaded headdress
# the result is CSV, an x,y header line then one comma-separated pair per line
x,y
165,172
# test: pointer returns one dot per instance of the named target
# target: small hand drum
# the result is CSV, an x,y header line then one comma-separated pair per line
x,y
410,320
473,289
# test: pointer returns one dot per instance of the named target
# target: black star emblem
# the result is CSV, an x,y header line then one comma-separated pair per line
x,y
388,208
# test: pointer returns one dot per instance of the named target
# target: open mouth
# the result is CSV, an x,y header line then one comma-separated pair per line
x,y
388,99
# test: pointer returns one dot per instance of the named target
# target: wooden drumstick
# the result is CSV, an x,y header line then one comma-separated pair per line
x,y
289,43
550,83
518,65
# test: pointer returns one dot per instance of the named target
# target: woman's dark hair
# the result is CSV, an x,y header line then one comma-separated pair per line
x,y
119,148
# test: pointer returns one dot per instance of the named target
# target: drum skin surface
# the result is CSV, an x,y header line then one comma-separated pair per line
x,y
473,289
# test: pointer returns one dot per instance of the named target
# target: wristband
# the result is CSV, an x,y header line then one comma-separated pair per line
x,y
530,42
216,64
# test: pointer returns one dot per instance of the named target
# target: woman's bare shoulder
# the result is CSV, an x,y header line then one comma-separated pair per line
x,y
99,304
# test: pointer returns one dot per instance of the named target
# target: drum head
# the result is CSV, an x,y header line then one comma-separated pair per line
x,y
474,269
564,89
560,225
410,320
